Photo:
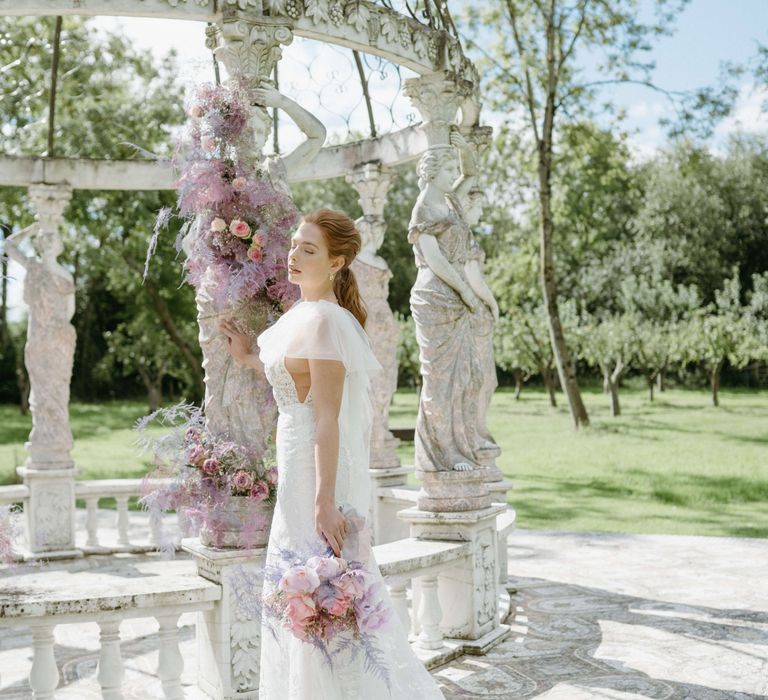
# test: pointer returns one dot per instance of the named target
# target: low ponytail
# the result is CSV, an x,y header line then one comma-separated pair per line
x,y
343,240
348,293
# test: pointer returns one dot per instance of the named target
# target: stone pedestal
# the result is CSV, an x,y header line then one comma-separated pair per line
x,y
49,513
386,503
449,491
468,592
229,635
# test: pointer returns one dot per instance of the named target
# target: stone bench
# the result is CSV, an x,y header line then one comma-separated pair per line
x,y
105,592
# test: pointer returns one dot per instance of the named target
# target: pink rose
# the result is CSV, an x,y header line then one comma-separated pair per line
x,y
255,254
208,143
243,480
210,466
260,491
239,228
196,455
239,183
272,476
352,583
195,111
326,567
192,434
299,580
218,225
332,600
258,239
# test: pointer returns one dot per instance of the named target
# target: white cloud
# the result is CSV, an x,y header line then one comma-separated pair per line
x,y
748,115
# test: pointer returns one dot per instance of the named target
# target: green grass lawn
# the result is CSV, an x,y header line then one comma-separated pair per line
x,y
676,465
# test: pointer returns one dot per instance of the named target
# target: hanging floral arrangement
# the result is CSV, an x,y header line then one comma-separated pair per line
x,y
238,223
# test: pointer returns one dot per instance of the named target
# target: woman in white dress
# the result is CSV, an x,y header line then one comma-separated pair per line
x,y
318,359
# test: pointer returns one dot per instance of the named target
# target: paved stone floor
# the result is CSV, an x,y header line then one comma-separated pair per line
x,y
596,616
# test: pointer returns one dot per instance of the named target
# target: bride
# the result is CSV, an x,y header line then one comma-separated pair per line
x,y
318,359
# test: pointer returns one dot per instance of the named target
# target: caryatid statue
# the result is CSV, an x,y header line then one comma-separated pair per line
x,y
445,307
238,399
49,292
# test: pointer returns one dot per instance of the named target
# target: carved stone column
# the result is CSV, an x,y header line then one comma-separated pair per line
x,y
438,97
372,182
49,471
238,399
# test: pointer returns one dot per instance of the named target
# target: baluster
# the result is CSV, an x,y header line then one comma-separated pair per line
x,y
400,601
44,676
111,671
430,614
171,663
415,605
92,521
122,520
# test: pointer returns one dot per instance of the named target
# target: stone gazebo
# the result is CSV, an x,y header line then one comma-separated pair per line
x,y
448,569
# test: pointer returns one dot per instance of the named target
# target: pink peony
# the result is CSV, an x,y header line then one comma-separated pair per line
x,y
210,466
208,143
239,228
255,254
259,239
260,491
218,224
299,580
239,183
196,455
326,567
272,476
242,480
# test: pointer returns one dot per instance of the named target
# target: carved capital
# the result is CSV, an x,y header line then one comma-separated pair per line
x,y
479,138
372,181
438,97
247,48
50,202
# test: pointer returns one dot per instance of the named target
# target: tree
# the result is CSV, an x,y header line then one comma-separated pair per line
x,y
723,331
608,344
104,81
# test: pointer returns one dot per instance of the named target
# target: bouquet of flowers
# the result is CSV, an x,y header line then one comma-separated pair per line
x,y
202,474
333,603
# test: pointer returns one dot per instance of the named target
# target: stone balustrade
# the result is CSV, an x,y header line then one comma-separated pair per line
x,y
79,591
101,531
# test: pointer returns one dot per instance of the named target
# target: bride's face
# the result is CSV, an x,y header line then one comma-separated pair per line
x,y
308,260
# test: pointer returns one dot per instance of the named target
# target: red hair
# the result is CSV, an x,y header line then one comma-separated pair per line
x,y
343,240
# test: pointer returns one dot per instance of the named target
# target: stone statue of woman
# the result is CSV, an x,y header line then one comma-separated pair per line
x,y
238,399
444,306
49,292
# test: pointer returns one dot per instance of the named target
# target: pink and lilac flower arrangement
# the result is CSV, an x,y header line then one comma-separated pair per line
x,y
242,222
200,472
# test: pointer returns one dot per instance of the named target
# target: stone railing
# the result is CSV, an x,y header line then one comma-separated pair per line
x,y
76,592
101,531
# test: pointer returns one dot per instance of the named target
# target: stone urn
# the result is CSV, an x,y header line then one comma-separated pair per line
x,y
238,522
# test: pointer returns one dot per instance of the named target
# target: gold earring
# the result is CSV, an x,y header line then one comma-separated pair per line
x,y
331,276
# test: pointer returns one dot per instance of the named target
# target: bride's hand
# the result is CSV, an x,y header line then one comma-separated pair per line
x,y
238,344
331,525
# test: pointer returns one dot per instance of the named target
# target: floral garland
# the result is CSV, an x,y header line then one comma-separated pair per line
x,y
242,222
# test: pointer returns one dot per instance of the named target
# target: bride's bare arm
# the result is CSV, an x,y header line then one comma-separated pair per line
x,y
327,381
239,346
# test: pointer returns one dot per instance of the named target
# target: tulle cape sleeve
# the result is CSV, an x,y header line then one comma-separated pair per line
x,y
319,331
326,331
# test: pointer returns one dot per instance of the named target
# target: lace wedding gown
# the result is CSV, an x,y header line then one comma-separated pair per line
x,y
292,669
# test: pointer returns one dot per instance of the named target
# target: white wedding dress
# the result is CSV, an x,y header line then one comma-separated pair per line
x,y
292,669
